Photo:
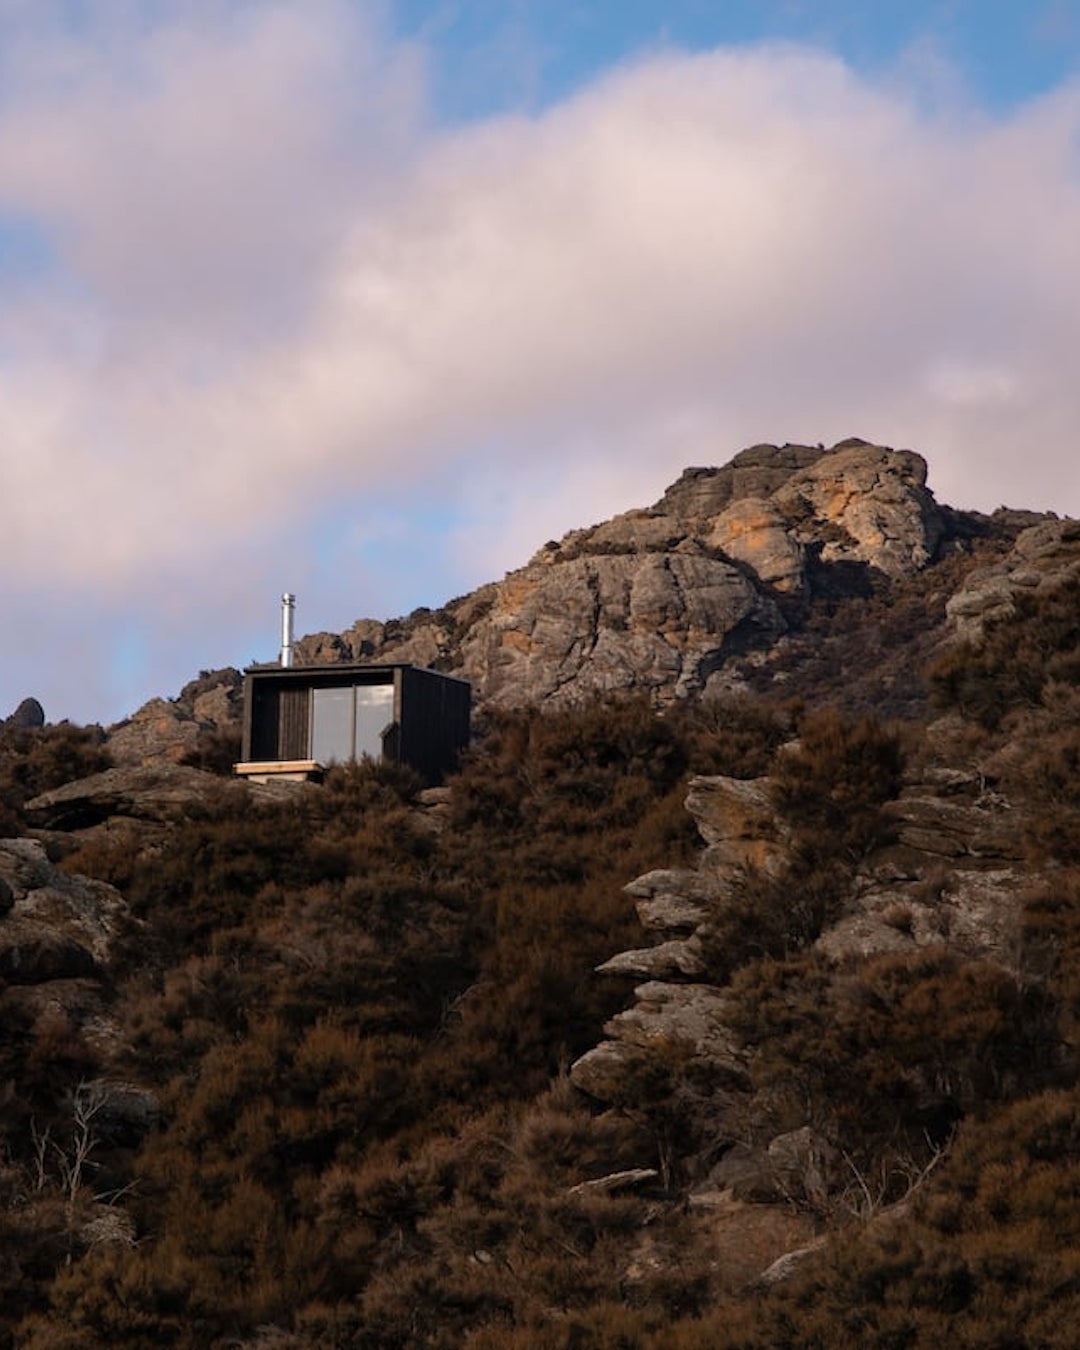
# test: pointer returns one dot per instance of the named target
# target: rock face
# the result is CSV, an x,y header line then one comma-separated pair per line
x,y
572,626
1042,557
864,504
658,599
948,877
170,729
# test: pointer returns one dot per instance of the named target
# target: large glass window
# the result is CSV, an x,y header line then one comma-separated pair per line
x,y
331,725
374,712
349,722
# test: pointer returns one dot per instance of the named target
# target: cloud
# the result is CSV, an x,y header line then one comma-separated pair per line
x,y
275,290
178,165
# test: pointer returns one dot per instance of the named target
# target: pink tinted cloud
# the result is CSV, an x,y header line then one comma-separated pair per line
x,y
199,168
279,288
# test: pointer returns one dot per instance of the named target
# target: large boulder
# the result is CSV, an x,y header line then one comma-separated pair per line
x,y
159,793
27,716
156,792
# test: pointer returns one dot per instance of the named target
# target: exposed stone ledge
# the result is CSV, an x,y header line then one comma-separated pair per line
x,y
662,962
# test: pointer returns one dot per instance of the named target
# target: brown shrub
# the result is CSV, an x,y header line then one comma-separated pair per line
x,y
1018,657
35,760
831,787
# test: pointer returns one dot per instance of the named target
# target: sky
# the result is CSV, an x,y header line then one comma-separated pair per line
x,y
368,299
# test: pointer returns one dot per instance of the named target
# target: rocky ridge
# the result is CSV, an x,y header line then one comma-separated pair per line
x,y
657,600
948,877
673,600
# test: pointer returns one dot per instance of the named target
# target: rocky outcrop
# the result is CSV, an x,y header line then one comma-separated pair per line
x,y
1044,555
688,1016
701,494
56,926
799,1167
670,900
159,794
667,960
659,599
172,729
864,504
158,731
947,876
61,935
27,716
738,821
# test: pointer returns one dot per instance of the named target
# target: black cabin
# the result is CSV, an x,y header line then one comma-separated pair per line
x,y
299,719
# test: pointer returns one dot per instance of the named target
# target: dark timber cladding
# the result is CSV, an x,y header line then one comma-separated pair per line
x,y
332,714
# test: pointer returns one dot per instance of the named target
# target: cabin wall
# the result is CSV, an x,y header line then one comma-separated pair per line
x,y
294,738
434,723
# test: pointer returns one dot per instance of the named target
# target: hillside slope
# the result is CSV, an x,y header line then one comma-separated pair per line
x,y
737,1010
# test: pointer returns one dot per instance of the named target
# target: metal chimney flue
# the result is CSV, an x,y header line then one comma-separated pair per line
x,y
288,604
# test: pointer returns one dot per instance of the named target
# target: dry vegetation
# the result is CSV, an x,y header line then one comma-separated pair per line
x,y
358,1029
